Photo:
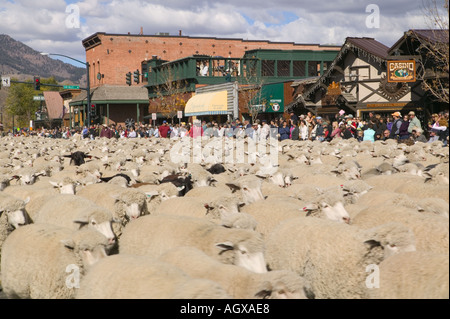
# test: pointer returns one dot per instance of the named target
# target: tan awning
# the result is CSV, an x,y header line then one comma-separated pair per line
x,y
213,103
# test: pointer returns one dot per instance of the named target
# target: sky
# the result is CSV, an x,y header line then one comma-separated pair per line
x,y
59,26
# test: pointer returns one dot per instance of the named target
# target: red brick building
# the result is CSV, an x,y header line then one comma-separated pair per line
x,y
111,56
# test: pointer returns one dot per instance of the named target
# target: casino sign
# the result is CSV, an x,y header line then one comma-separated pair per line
x,y
401,71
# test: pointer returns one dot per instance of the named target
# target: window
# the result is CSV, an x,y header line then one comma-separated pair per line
x,y
283,68
268,68
313,68
299,68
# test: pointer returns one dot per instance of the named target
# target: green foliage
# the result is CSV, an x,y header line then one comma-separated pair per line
x,y
20,103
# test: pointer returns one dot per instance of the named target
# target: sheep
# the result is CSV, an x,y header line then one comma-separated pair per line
x,y
214,208
413,275
332,257
5,181
77,158
329,203
75,212
353,189
27,176
37,260
12,215
152,235
238,282
249,187
125,203
143,277
431,231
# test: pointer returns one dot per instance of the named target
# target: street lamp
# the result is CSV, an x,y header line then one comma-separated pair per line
x,y
88,89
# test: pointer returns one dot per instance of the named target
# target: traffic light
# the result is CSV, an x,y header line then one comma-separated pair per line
x,y
37,83
129,78
136,76
92,110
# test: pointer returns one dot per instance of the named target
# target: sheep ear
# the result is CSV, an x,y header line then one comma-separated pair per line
x,y
55,184
228,245
241,204
115,197
233,187
27,200
265,291
81,222
68,243
372,243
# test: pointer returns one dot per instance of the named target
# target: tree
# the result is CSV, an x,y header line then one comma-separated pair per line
x,y
250,93
434,48
170,95
20,103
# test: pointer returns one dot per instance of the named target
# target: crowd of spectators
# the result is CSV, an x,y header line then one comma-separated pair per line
x,y
299,127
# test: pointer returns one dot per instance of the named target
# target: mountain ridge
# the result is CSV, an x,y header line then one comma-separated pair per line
x,y
23,62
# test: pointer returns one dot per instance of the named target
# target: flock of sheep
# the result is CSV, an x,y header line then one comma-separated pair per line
x,y
120,218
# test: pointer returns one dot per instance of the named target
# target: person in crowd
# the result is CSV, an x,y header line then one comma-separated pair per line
x,y
380,126
336,130
284,131
369,133
312,129
417,135
413,122
348,131
164,130
434,135
403,132
360,135
303,130
295,133
397,122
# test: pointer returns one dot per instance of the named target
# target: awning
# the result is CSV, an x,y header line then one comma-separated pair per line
x,y
214,103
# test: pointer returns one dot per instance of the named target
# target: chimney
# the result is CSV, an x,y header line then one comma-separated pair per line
x,y
142,31
180,32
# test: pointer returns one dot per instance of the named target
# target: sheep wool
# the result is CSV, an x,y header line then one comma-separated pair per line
x,y
35,259
143,277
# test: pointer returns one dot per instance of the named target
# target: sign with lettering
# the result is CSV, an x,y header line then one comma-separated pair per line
x,y
401,71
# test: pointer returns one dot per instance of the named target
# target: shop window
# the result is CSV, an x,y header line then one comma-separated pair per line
x,y
283,68
268,68
299,68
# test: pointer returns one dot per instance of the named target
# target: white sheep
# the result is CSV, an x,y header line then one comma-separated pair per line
x,y
125,203
75,212
42,261
214,208
153,235
143,277
413,275
239,283
431,231
249,188
332,257
12,215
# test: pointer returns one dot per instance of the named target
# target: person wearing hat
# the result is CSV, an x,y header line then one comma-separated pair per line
x,y
413,122
395,131
164,130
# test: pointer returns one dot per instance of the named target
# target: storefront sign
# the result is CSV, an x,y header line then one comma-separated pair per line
x,y
387,105
401,71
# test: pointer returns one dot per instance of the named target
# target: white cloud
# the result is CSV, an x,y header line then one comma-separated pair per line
x,y
42,24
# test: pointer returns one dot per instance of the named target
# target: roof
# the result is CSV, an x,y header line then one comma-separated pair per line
x,y
114,94
55,104
429,35
370,45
